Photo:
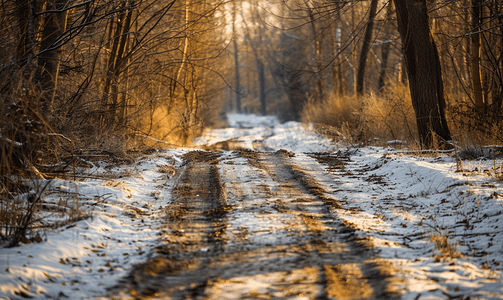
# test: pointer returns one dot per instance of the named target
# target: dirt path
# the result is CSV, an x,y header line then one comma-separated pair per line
x,y
258,225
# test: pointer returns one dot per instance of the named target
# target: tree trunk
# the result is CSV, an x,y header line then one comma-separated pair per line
x,y
116,64
256,47
296,95
236,61
121,67
237,83
423,70
337,79
124,63
50,57
261,84
25,14
360,77
261,69
317,36
385,48
478,98
384,65
110,80
184,61
497,102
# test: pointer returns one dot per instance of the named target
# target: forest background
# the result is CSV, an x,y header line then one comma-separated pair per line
x,y
95,78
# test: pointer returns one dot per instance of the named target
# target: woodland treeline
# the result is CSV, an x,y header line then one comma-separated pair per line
x,y
121,73
88,80
426,71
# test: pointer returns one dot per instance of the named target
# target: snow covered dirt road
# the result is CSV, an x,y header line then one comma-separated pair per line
x,y
257,225
263,210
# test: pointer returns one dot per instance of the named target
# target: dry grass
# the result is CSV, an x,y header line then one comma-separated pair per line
x,y
29,150
477,135
23,136
375,119
471,126
37,145
476,147
338,118
333,111
390,116
445,248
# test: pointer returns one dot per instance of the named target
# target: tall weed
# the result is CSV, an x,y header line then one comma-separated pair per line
x,y
23,137
374,118
333,111
390,115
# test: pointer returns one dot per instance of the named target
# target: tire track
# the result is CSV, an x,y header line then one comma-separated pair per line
x,y
256,225
192,235
326,234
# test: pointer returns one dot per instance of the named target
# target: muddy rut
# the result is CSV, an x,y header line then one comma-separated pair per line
x,y
258,225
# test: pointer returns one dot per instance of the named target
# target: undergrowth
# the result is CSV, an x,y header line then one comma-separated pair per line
x,y
445,248
375,119
23,136
34,151
388,119
42,140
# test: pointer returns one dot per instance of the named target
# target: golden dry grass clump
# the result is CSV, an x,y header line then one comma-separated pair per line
x,y
375,118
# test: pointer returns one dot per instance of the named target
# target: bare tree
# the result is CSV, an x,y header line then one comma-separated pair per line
x,y
236,60
49,59
475,48
385,47
256,43
367,39
119,30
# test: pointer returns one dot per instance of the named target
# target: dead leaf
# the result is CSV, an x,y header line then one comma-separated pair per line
x,y
37,238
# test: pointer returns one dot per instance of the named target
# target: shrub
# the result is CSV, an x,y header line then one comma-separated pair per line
x,y
23,137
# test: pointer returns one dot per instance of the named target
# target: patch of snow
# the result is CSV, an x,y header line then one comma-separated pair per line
x,y
291,136
251,120
399,202
81,260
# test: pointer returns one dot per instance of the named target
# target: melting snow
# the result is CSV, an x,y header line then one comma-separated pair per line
x,y
397,202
